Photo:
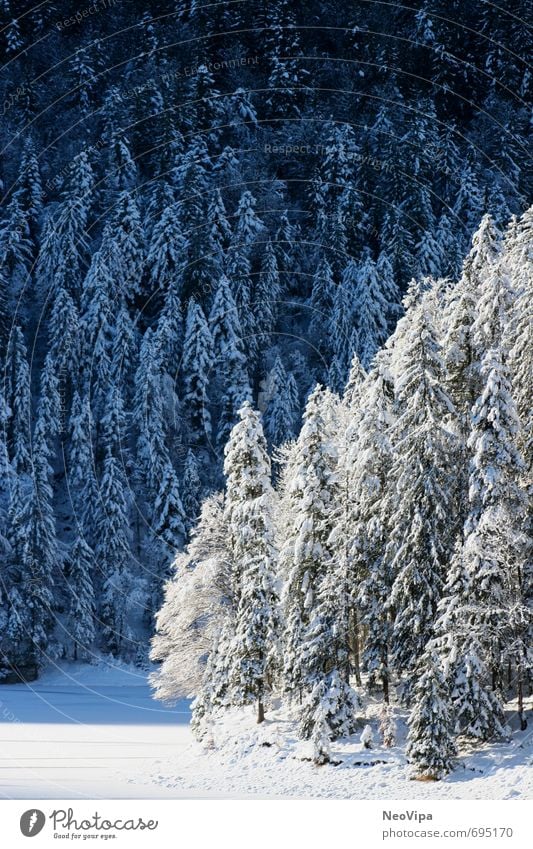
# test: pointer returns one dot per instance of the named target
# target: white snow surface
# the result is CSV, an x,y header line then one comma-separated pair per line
x,y
94,731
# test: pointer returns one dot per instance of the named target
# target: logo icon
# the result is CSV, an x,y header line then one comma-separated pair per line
x,y
32,822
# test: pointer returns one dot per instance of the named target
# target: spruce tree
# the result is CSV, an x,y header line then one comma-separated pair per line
x,y
370,458
422,502
476,709
430,743
167,250
82,607
495,548
81,479
18,398
196,367
371,313
267,296
280,415
169,514
113,554
191,488
248,508
152,452
313,593
123,244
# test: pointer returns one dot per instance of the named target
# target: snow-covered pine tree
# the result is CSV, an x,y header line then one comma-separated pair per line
x,y
169,531
123,243
191,489
81,627
286,77
341,319
321,306
121,173
354,386
477,711
430,260
18,399
16,246
6,484
369,461
267,295
228,358
334,189
249,497
64,332
35,545
118,596
196,367
170,331
421,503
113,425
96,331
313,596
449,247
371,313
151,451
458,347
496,548
81,76
81,480
169,515
64,242
481,290
280,415
124,350
167,250
430,742
29,188
493,310
200,273
389,290
206,105
518,258
248,226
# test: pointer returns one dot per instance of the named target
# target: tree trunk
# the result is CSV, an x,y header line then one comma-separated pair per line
x,y
520,694
260,712
385,683
355,649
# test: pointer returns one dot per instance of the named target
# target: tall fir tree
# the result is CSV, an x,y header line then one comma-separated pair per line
x,y
249,497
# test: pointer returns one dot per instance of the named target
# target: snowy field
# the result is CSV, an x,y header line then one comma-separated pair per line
x,y
95,732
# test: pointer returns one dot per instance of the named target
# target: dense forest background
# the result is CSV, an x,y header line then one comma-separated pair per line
x,y
203,205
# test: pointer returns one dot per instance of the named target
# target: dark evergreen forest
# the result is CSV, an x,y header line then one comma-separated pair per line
x,y
203,205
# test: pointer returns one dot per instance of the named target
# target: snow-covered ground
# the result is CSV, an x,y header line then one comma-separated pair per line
x,y
85,731
95,732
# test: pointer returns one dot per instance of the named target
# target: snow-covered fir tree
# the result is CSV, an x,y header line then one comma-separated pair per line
x,y
430,742
314,652
249,495
421,531
82,607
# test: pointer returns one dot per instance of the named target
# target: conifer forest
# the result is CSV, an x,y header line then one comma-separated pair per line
x,y
266,325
